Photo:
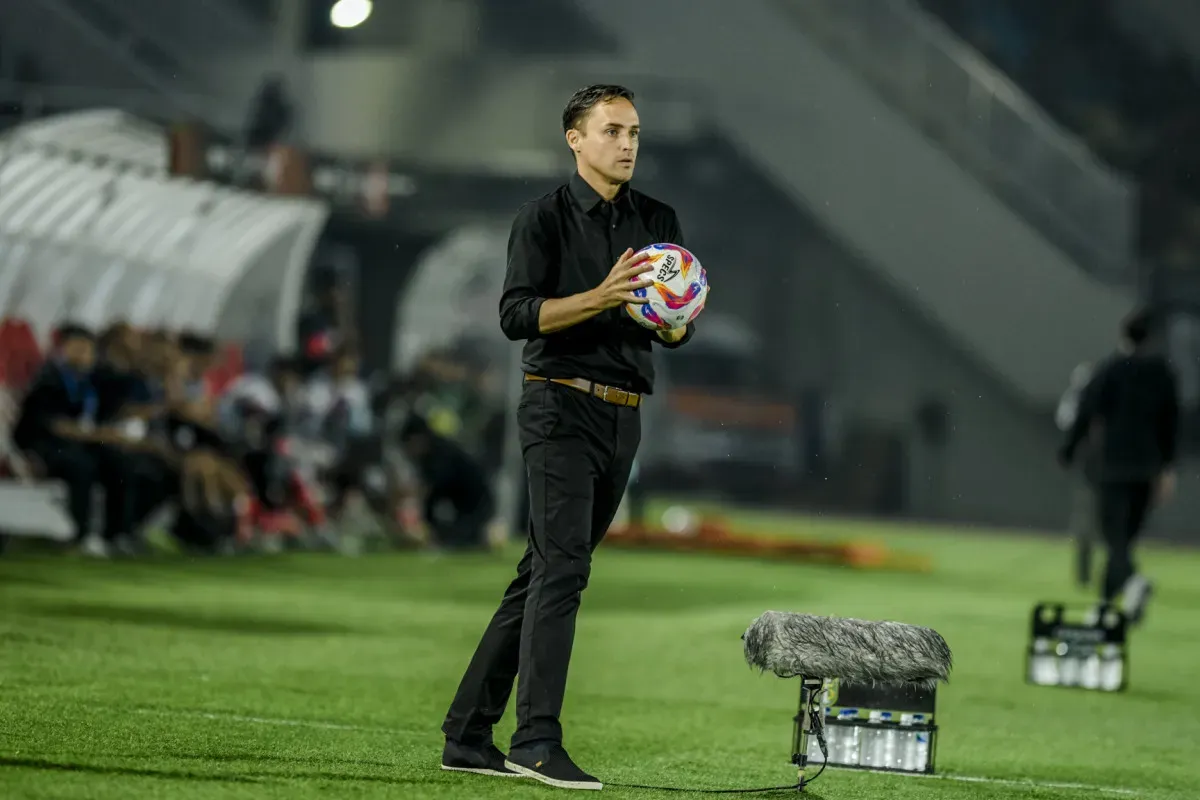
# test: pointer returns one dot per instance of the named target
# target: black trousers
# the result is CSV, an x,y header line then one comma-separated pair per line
x,y
1122,511
82,466
578,454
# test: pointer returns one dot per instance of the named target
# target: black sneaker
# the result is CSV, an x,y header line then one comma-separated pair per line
x,y
483,759
552,766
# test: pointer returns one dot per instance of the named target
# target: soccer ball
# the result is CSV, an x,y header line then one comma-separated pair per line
x,y
678,293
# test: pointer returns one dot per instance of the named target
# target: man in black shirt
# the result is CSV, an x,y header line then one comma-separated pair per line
x,y
1131,406
58,427
571,268
125,401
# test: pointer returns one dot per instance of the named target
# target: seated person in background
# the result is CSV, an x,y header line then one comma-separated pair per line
x,y
335,407
57,430
458,501
214,491
125,401
256,415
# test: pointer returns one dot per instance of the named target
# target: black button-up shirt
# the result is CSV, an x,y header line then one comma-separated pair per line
x,y
1134,399
566,243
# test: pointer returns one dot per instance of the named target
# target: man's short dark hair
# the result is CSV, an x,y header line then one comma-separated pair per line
x,y
73,330
196,344
1137,326
584,100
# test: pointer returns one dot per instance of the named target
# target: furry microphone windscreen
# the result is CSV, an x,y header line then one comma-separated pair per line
x,y
853,650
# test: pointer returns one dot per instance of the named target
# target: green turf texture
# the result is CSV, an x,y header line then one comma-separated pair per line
x,y
309,676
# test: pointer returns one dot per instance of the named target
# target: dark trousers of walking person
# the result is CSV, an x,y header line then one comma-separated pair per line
x,y
578,453
1122,510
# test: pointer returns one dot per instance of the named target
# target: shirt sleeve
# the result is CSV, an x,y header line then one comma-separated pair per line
x,y
527,276
673,233
1090,406
1168,420
41,407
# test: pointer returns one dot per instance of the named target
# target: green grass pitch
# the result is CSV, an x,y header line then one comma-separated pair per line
x,y
313,676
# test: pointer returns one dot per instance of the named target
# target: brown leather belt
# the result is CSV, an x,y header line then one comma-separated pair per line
x,y
609,394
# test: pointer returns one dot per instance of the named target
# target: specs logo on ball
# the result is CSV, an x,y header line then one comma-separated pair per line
x,y
668,270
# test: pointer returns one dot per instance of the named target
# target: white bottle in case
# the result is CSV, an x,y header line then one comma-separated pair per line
x,y
1090,674
1043,665
872,742
889,751
1111,668
849,740
921,754
908,743
1069,666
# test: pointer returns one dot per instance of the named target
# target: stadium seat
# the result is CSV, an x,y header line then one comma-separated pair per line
x,y
20,355
227,370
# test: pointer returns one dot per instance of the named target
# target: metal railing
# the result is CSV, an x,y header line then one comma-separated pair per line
x,y
918,65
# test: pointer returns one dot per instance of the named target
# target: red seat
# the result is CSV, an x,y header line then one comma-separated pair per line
x,y
20,355
228,370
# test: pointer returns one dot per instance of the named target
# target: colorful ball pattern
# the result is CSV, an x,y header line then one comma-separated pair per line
x,y
678,293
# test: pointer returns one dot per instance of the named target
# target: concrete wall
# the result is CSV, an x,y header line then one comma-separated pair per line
x,y
831,323
931,230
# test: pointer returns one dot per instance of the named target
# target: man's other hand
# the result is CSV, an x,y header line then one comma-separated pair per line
x,y
673,335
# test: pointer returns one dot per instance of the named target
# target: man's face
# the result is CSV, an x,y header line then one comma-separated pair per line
x,y
80,353
608,142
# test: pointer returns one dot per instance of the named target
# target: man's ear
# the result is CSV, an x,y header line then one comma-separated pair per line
x,y
573,137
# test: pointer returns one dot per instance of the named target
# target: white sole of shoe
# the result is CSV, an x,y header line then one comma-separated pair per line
x,y
537,776
482,771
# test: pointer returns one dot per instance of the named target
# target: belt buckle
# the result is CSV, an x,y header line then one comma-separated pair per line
x,y
604,394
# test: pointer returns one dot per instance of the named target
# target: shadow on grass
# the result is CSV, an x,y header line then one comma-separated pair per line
x,y
135,772
257,777
189,619
777,791
312,761
10,578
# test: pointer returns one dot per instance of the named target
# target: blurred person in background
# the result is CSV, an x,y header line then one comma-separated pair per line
x,y
1082,523
1131,405
324,327
270,115
57,430
458,504
337,409
213,489
335,402
126,401
259,417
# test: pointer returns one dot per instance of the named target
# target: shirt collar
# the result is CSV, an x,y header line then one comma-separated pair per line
x,y
589,200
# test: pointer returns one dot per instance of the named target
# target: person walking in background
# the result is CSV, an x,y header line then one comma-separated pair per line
x,y
1131,405
1081,525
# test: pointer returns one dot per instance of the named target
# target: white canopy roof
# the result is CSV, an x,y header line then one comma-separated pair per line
x,y
92,229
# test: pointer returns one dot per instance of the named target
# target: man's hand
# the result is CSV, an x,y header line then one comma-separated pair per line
x,y
557,314
673,335
623,280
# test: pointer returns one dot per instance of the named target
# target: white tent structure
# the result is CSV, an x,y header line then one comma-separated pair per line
x,y
94,229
